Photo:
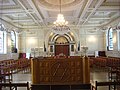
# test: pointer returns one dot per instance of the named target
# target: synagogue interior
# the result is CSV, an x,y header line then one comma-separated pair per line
x,y
59,44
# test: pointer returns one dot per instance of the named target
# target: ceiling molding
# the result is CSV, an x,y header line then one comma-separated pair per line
x,y
35,9
79,13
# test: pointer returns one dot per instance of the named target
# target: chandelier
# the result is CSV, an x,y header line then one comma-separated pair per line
x,y
60,25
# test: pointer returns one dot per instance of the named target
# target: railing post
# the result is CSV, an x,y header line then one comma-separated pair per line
x,y
95,85
114,85
10,86
27,85
109,87
15,87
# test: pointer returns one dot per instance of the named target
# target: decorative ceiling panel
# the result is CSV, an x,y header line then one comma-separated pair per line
x,y
7,2
112,0
86,13
57,2
55,13
54,4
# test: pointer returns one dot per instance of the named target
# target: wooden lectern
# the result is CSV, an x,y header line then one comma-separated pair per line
x,y
60,71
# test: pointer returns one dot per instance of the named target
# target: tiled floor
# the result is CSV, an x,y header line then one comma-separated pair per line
x,y
94,76
22,77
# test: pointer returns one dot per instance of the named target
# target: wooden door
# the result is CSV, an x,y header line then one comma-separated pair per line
x,y
62,49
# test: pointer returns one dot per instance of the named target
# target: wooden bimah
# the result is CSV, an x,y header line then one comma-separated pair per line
x,y
64,73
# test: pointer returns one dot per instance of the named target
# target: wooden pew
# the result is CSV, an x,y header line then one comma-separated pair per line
x,y
8,67
109,84
113,67
109,64
13,86
5,70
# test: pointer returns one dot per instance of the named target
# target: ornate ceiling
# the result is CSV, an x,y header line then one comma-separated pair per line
x,y
33,14
54,5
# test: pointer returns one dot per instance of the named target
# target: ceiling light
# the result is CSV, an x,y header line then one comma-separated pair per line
x,y
60,25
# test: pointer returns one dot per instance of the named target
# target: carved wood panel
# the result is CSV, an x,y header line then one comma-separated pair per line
x,y
62,71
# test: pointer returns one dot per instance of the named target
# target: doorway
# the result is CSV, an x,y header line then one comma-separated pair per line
x,y
62,49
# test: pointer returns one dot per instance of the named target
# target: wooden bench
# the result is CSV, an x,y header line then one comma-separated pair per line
x,y
8,67
109,84
13,86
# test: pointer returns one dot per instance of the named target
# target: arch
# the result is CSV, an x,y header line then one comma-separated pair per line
x,y
68,36
53,39
72,36
71,41
61,40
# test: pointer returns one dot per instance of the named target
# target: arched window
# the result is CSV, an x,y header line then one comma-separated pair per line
x,y
13,42
110,39
2,39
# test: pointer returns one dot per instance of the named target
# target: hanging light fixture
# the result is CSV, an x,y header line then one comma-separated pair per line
x,y
60,25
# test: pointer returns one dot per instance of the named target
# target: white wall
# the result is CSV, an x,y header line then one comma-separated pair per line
x,y
113,53
31,39
9,56
94,41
